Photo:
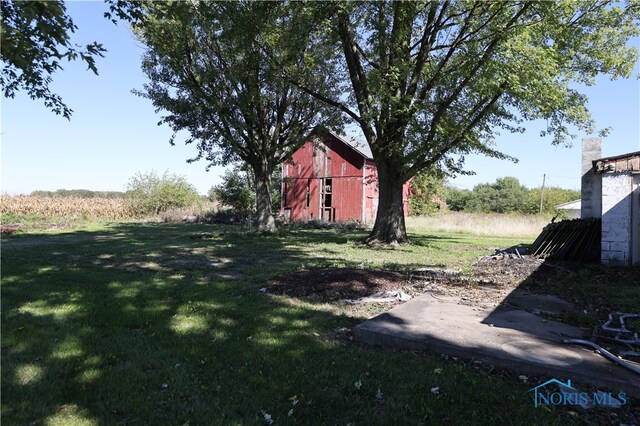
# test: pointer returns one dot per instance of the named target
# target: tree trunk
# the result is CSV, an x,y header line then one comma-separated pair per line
x,y
389,226
266,222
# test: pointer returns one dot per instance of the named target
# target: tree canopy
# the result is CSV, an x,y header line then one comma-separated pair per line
x,y
434,81
508,195
214,70
427,82
35,38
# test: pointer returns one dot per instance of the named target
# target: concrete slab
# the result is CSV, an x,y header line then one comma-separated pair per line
x,y
546,304
502,336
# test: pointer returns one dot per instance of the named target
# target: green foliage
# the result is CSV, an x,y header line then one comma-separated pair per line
x,y
211,194
551,196
79,193
431,82
427,191
35,37
237,191
456,198
216,70
507,195
276,195
152,194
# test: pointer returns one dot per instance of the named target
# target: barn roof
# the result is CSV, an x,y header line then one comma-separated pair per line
x,y
360,146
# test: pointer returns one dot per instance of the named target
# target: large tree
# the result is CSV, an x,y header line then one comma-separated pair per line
x,y
434,81
213,69
35,39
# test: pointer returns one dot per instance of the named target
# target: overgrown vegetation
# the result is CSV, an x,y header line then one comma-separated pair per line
x,y
237,192
166,198
148,193
427,193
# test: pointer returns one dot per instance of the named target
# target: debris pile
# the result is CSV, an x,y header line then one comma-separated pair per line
x,y
576,239
515,252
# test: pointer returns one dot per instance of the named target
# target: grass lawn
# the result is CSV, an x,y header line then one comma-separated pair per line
x,y
165,324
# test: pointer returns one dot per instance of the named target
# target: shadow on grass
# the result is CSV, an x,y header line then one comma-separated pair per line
x,y
158,325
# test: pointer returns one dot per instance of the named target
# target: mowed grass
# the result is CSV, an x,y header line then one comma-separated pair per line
x,y
165,324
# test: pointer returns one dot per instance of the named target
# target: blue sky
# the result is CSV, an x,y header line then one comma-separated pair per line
x,y
113,134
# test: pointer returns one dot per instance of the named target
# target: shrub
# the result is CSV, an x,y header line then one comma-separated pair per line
x,y
426,195
237,191
150,194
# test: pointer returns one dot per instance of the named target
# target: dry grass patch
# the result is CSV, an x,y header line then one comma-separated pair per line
x,y
505,225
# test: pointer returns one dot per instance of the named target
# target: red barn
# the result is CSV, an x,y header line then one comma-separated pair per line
x,y
332,178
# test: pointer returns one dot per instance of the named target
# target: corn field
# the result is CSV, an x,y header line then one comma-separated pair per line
x,y
89,208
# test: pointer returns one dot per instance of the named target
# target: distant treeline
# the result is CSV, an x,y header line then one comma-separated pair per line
x,y
507,195
79,193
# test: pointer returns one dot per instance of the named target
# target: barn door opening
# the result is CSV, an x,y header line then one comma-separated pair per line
x,y
307,208
328,212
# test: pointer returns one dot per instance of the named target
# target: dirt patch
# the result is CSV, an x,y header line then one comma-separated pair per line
x,y
9,228
484,285
333,284
504,270
490,280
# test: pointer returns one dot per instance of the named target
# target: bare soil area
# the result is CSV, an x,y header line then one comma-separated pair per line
x,y
333,284
487,281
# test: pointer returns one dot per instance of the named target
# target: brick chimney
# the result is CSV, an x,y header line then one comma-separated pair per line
x,y
591,186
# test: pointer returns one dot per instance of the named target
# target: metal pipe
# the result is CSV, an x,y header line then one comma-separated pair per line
x,y
605,353
622,330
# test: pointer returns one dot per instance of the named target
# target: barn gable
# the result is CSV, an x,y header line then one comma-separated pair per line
x,y
331,178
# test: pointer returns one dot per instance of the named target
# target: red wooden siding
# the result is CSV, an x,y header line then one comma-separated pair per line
x,y
329,180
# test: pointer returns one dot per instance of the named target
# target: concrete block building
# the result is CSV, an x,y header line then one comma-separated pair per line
x,y
611,191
